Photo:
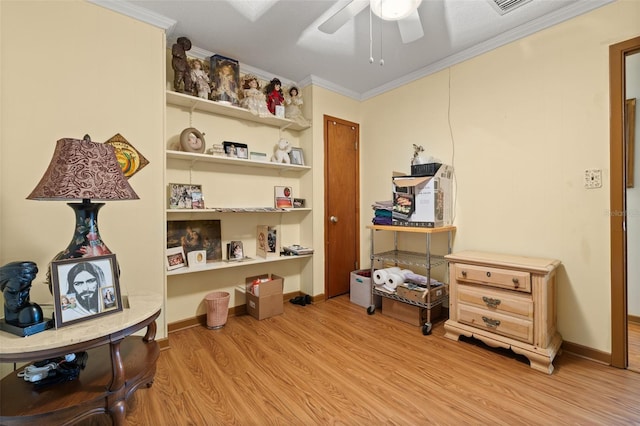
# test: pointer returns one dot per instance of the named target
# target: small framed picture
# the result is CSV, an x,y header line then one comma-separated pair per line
x,y
175,258
296,156
283,198
298,203
185,196
242,152
197,258
235,250
85,288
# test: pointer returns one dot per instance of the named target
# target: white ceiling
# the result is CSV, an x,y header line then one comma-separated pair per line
x,y
281,37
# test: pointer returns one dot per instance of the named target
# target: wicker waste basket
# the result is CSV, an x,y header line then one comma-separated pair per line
x,y
217,309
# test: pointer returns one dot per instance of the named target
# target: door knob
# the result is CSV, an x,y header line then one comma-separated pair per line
x,y
333,219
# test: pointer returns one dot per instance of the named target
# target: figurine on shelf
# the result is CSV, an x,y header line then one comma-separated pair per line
x,y
281,154
293,107
417,159
274,95
181,76
200,80
15,284
252,98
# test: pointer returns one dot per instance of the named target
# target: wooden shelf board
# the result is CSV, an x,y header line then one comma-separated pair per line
x,y
222,264
207,158
195,103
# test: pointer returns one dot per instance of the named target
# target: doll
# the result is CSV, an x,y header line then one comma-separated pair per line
x,y
292,108
200,80
252,98
274,95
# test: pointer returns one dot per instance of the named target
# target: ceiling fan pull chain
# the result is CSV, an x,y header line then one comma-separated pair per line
x,y
370,38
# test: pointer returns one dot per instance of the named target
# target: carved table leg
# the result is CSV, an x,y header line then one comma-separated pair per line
x,y
116,401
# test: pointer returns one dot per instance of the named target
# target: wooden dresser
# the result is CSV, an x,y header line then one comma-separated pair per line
x,y
505,301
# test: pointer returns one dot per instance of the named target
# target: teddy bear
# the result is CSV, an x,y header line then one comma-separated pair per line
x,y
281,155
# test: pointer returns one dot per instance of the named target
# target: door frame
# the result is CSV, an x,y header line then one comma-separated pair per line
x,y
617,168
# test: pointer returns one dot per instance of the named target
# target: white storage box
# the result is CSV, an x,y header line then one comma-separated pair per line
x,y
360,291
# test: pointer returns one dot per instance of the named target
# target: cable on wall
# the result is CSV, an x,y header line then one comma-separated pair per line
x,y
453,151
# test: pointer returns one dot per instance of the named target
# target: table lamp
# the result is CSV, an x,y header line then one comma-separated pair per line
x,y
83,170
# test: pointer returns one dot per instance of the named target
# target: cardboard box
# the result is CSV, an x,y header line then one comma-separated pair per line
x,y
420,294
360,289
411,314
269,299
423,201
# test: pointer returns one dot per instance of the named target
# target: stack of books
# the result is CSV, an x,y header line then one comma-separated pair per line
x,y
297,250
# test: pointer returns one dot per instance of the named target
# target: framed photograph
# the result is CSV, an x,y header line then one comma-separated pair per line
x,y
185,196
192,235
235,149
85,288
197,258
225,75
283,198
175,258
296,156
235,251
298,203
242,152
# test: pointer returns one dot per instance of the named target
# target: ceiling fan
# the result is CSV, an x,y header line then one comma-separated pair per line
x,y
403,11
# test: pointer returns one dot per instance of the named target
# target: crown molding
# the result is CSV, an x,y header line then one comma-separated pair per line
x,y
561,15
138,13
527,29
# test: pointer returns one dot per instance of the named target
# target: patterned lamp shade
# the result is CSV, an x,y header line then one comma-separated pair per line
x,y
83,170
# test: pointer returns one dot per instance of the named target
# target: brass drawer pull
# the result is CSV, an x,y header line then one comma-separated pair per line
x,y
516,282
490,302
493,323
464,273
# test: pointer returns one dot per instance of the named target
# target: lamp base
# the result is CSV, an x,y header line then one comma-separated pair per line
x,y
26,331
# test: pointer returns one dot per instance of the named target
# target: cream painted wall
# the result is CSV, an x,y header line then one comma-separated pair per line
x,y
520,124
69,68
325,102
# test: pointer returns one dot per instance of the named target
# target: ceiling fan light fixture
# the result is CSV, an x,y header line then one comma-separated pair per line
x,y
394,10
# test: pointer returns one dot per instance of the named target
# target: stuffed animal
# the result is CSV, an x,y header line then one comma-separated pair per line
x,y
282,152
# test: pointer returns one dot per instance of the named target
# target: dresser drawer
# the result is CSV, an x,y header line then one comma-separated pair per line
x,y
501,301
495,277
506,325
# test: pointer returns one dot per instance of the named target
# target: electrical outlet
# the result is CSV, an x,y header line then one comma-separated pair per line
x,y
592,178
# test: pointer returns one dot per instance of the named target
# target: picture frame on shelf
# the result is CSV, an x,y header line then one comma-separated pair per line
x,y
242,152
197,258
267,240
296,156
175,258
298,203
85,288
283,197
235,250
235,149
194,235
182,196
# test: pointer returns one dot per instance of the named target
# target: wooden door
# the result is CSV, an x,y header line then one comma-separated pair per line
x,y
342,201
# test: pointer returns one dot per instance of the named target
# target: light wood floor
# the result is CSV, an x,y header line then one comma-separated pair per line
x,y
633,333
331,363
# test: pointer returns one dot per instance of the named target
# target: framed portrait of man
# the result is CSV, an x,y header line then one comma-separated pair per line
x,y
85,288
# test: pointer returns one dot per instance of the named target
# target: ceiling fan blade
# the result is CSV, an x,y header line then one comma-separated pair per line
x,y
411,28
342,16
